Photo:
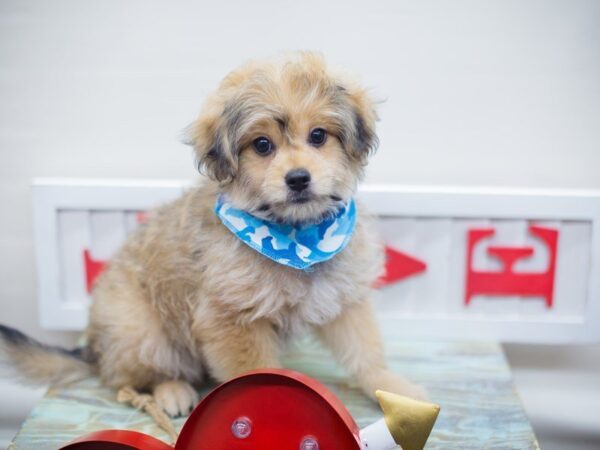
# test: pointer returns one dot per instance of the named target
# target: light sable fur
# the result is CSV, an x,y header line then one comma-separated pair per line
x,y
184,297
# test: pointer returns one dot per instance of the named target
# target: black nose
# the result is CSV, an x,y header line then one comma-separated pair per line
x,y
297,179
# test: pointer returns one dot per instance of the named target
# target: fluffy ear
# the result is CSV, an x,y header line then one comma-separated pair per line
x,y
360,138
214,154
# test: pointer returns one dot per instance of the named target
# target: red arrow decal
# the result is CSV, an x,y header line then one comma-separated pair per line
x,y
398,266
93,268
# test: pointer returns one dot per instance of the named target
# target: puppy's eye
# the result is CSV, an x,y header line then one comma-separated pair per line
x,y
262,145
317,137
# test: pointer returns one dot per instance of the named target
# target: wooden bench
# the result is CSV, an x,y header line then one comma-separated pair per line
x,y
471,381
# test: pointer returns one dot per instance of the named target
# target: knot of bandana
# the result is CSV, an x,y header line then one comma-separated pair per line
x,y
297,246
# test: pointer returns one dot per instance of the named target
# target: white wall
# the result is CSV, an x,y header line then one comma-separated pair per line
x,y
496,92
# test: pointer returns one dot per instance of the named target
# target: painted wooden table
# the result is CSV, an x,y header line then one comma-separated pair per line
x,y
471,381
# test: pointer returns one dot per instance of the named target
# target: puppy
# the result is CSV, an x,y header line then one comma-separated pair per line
x,y
284,144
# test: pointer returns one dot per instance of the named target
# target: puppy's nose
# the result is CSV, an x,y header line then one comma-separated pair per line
x,y
297,179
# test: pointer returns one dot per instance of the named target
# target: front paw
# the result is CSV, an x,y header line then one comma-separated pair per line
x,y
390,382
175,397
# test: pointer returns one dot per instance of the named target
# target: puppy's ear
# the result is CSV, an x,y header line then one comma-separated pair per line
x,y
360,136
214,154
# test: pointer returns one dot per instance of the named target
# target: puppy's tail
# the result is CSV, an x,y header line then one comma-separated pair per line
x,y
37,363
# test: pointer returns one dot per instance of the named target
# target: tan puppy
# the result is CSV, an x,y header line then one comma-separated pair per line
x,y
185,297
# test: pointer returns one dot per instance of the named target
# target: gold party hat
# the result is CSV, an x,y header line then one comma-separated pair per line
x,y
409,421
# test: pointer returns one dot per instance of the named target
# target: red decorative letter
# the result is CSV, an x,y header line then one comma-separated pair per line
x,y
506,281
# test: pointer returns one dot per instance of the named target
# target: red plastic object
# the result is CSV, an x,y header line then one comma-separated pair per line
x,y
117,440
507,281
283,407
398,266
93,268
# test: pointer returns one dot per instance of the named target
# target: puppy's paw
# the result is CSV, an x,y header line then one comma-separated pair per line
x,y
388,381
176,397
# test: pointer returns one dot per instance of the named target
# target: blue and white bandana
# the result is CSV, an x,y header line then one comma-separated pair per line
x,y
297,246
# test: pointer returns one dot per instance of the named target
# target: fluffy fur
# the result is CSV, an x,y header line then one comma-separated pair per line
x,y
184,297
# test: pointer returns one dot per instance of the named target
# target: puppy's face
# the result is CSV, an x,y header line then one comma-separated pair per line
x,y
287,141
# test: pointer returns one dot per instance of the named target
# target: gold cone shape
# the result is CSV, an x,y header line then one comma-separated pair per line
x,y
409,421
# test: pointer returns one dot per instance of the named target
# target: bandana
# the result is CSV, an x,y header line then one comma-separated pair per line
x,y
297,246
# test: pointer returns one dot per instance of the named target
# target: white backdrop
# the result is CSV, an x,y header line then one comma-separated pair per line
x,y
495,93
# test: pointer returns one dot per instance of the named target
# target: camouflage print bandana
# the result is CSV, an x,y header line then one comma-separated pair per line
x,y
297,246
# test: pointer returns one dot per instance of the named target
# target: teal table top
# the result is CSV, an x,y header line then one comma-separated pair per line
x,y
472,382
